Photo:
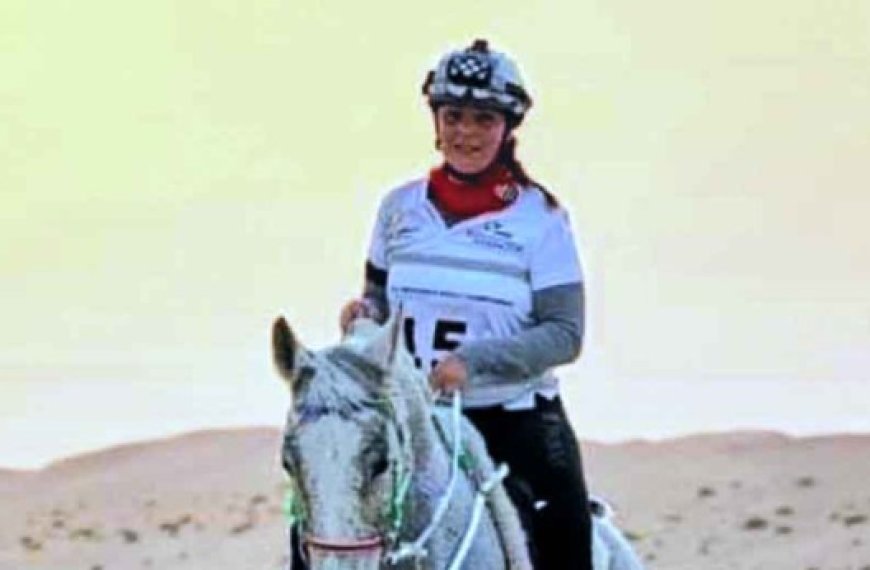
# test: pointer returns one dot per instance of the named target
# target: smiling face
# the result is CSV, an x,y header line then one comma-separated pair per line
x,y
470,136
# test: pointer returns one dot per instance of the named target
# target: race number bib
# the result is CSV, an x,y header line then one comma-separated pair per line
x,y
430,339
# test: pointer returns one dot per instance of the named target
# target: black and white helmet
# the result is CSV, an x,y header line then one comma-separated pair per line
x,y
478,75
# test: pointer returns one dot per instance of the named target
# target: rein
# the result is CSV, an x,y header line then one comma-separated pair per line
x,y
416,549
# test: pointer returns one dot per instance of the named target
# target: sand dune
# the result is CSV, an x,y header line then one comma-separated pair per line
x,y
211,500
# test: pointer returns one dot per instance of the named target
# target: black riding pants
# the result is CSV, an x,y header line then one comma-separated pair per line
x,y
546,480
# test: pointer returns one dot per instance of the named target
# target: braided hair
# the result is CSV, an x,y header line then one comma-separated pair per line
x,y
507,156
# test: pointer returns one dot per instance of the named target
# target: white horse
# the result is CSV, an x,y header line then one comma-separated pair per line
x,y
373,466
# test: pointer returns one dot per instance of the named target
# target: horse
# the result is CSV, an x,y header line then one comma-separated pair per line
x,y
380,476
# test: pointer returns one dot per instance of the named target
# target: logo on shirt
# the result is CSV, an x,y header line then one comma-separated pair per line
x,y
495,235
400,226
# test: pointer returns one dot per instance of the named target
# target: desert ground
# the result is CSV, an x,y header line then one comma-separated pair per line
x,y
212,500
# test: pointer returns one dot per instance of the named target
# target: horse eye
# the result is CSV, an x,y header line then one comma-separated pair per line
x,y
380,466
375,459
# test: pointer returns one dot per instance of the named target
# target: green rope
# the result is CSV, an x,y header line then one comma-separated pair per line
x,y
401,484
294,510
467,461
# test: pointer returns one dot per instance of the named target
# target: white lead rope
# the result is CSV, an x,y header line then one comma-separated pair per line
x,y
479,502
417,548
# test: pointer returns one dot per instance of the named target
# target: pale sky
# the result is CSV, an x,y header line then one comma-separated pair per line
x,y
175,175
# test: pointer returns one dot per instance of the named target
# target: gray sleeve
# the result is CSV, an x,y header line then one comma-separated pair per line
x,y
556,338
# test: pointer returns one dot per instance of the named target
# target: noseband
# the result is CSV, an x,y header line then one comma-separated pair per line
x,y
344,546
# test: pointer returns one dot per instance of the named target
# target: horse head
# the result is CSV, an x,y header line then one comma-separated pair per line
x,y
346,446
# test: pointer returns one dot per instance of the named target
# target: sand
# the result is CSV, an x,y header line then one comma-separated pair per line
x,y
211,501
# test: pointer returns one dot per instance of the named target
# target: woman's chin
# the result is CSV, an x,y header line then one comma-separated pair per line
x,y
467,167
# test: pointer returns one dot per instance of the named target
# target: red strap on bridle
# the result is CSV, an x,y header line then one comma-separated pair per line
x,y
344,545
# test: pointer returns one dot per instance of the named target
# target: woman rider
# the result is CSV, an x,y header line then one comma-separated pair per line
x,y
483,261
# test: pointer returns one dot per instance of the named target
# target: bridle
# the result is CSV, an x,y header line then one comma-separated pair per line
x,y
356,364
344,546
376,543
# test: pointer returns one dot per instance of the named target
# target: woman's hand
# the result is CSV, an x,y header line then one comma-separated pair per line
x,y
449,374
352,310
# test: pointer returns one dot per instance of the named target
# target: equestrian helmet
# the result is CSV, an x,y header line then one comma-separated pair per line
x,y
479,76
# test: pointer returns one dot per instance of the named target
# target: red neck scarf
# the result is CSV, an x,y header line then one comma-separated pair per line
x,y
489,192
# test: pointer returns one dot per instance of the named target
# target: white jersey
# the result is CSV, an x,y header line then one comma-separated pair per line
x,y
472,280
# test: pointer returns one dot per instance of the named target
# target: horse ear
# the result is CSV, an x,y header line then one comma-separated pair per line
x,y
286,350
385,346
394,334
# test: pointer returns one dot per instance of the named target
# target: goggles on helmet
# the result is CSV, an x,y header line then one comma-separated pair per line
x,y
478,76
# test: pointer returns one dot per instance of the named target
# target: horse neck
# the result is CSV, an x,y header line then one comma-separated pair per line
x,y
431,471
430,458
425,443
